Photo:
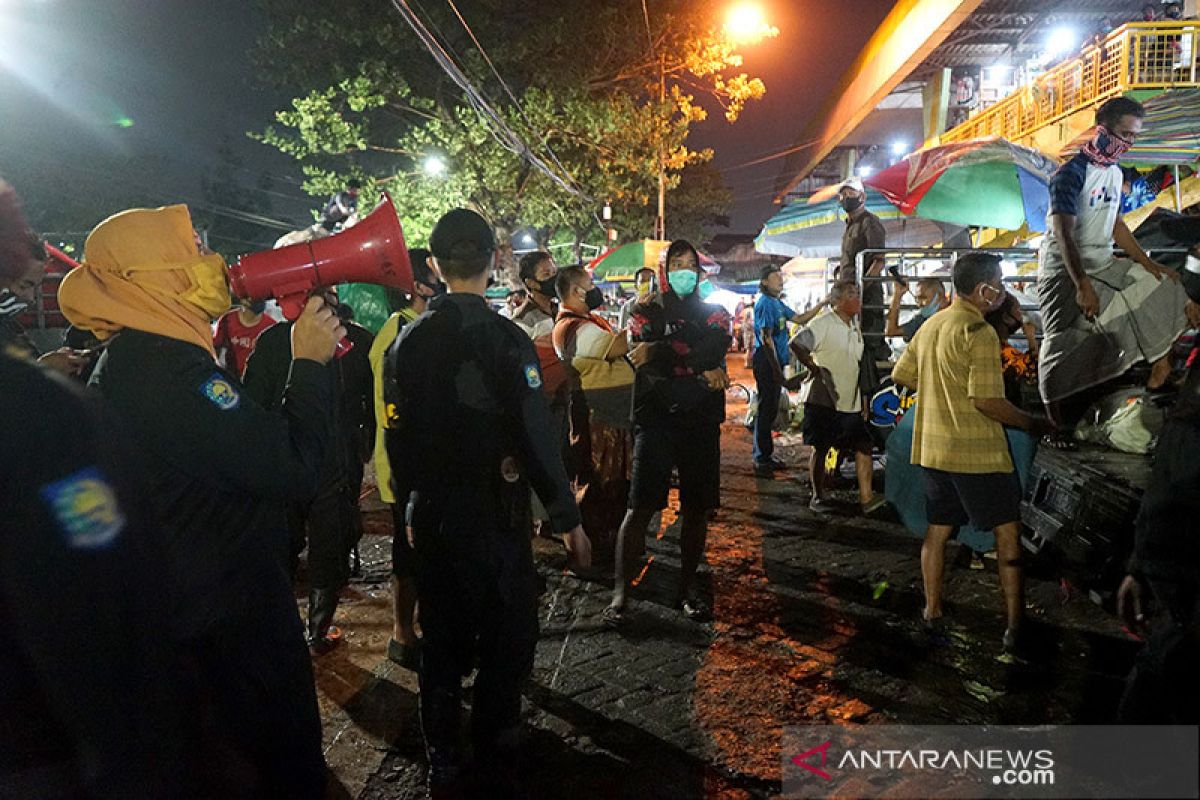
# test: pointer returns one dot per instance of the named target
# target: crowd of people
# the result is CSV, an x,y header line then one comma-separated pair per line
x,y
179,491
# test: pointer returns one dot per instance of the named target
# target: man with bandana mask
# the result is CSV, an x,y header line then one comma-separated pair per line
x,y
864,231
237,331
1101,314
329,522
678,408
958,438
217,470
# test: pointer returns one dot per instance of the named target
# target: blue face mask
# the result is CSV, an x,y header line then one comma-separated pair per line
x,y
683,281
928,311
705,289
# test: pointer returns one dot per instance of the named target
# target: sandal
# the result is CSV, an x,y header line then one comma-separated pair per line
x,y
405,655
696,610
613,617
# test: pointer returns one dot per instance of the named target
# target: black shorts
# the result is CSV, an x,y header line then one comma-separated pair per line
x,y
986,500
696,452
824,427
403,559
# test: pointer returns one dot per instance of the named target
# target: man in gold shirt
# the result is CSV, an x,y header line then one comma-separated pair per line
x,y
954,364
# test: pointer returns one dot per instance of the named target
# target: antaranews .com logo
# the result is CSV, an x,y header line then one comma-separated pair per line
x,y
990,761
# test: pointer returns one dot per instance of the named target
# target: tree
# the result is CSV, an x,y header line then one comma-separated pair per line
x,y
601,117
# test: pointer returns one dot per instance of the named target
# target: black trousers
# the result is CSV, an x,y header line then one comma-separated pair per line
x,y
329,526
255,704
478,588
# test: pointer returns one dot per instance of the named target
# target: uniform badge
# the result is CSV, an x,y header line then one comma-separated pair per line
x,y
533,376
220,393
86,509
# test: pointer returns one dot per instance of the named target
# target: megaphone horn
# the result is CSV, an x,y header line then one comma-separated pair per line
x,y
373,251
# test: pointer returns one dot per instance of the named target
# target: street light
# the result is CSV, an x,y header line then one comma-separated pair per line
x,y
746,23
434,166
899,148
864,171
1061,40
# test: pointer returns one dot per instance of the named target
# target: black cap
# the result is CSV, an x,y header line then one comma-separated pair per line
x,y
461,235
768,271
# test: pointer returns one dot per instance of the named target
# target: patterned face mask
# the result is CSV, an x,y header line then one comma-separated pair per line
x,y
1106,148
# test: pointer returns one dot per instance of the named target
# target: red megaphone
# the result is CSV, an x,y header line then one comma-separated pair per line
x,y
373,251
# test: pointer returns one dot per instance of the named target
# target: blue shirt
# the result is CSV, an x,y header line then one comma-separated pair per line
x,y
770,312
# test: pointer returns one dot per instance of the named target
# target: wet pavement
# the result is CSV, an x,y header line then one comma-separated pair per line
x,y
815,622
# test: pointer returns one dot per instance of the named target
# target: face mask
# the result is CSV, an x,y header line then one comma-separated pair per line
x,y
257,306
705,289
683,281
546,287
594,298
208,290
1106,148
851,204
930,308
1192,265
645,289
11,304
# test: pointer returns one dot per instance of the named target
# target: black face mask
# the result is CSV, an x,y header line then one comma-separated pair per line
x,y
258,306
437,289
594,298
546,287
851,204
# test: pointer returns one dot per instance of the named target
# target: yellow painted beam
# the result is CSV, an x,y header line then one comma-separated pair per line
x,y
903,40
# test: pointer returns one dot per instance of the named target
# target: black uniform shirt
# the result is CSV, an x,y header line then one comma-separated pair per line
x,y
84,705
464,386
350,384
217,467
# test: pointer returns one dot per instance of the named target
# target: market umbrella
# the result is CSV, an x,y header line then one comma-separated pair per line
x,y
988,183
622,262
814,230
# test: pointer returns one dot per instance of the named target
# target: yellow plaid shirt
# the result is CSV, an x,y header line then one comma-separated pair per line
x,y
954,358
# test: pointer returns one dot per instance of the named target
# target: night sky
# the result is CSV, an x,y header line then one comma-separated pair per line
x,y
73,77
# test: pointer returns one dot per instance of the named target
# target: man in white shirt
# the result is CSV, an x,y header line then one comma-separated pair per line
x,y
831,347
1101,314
643,283
536,316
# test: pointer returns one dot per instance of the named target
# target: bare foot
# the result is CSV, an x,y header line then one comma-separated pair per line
x,y
1159,373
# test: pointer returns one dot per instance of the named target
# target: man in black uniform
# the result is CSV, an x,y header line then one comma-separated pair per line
x,y
218,470
86,708
472,434
330,522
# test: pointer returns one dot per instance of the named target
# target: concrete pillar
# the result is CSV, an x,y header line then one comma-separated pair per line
x,y
936,99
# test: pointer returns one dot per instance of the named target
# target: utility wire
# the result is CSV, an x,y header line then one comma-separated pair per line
x,y
500,129
516,103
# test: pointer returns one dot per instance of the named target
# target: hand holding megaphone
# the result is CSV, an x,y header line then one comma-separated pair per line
x,y
373,251
317,332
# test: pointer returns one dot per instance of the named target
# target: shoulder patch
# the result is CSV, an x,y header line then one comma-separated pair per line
x,y
220,392
533,376
85,508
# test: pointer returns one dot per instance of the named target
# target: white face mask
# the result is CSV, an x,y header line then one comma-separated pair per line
x,y
1192,265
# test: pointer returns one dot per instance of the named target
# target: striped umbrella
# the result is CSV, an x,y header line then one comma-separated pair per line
x,y
622,263
988,182
1170,131
814,230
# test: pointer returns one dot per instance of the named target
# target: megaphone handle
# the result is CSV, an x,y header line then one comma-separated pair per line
x,y
343,347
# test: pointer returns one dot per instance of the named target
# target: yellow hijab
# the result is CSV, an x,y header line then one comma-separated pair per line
x,y
142,269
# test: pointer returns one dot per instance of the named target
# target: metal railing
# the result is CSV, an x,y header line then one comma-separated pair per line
x,y
1138,55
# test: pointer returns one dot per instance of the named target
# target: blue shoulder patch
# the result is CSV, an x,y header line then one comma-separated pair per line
x,y
533,376
220,392
85,508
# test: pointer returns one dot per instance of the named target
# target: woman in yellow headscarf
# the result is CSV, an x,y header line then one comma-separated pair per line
x,y
219,471
144,269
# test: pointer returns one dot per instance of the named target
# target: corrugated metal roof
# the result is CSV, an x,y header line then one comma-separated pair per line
x,y
1000,29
